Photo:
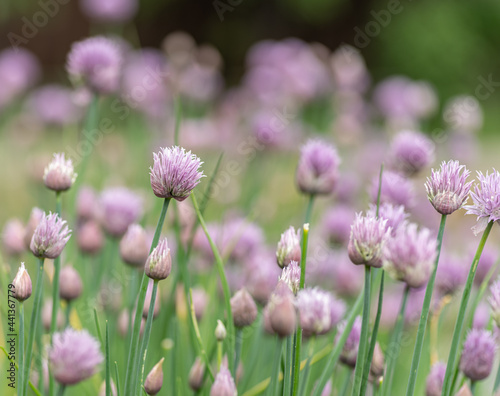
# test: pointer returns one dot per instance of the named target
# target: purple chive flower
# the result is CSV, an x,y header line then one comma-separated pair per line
x,y
350,350
366,243
71,285
159,262
478,354
224,384
86,203
22,284
396,189
288,249
35,217
113,11
486,197
451,274
96,62
118,209
409,256
261,275
291,276
244,308
74,356
435,379
337,224
134,246
50,237
13,237
494,301
317,171
319,311
481,316
59,174
486,262
175,173
411,152
394,214
447,188
90,238
282,316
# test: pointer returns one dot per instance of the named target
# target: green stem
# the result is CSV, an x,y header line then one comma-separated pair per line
x,y
395,346
21,344
309,208
363,340
497,381
346,383
219,354
239,343
108,366
68,313
461,313
422,324
297,346
33,325
473,387
130,375
288,368
62,388
307,369
117,379
90,124
272,390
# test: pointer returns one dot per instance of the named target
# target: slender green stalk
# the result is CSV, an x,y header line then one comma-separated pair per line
x,y
39,343
363,340
238,345
98,326
108,368
219,354
225,286
394,346
33,326
379,189
19,369
345,385
422,324
473,387
309,209
134,343
117,379
303,257
497,381
307,369
288,361
461,313
67,314
62,388
21,344
272,390
91,120
373,341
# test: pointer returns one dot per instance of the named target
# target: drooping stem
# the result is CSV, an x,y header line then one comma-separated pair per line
x,y
395,346
461,313
134,343
33,325
363,340
275,373
239,343
422,324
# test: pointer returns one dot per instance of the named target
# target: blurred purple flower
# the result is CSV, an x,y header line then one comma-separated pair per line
x,y
478,354
13,237
110,11
435,379
118,208
224,384
396,189
261,274
463,113
350,350
451,274
481,316
288,248
337,223
54,105
411,152
50,236
291,276
134,246
394,214
349,69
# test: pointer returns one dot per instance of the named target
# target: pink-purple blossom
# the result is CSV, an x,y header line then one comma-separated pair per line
x,y
50,236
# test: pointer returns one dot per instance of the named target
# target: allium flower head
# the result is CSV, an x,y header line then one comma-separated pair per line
x,y
319,311
494,300
411,152
396,189
350,349
281,311
159,263
478,354
59,174
71,285
175,173
224,384
119,207
86,203
435,379
97,62
22,284
486,197
90,238
451,274
154,380
35,218
368,236
50,237
447,188
288,247
13,237
394,214
54,105
243,308
317,171
114,11
337,224
134,246
196,374
410,254
291,276
74,356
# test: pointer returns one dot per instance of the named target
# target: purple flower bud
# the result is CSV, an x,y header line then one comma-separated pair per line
x,y
200,301
22,284
377,365
90,238
291,276
451,274
281,311
59,175
97,62
435,379
411,152
396,189
261,274
224,384
175,173
368,236
494,300
481,316
243,308
337,224
119,208
447,188
112,11
159,262
154,380
196,374
74,356
317,171
50,237
134,246
394,214
464,391
486,197
70,284
478,354
86,203
47,316
288,247
319,311
102,389
350,351
409,256
13,237
35,218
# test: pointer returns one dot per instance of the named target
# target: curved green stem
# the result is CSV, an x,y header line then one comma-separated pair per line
x,y
461,313
422,324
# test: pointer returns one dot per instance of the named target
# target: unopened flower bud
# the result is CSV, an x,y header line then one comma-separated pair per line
x,y
464,391
102,389
154,380
90,238
47,316
134,246
196,375
378,362
159,262
220,331
243,308
282,314
288,247
70,284
59,175
13,237
22,284
435,379
224,384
